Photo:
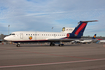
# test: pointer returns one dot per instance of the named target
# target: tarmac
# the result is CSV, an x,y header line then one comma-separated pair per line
x,y
45,57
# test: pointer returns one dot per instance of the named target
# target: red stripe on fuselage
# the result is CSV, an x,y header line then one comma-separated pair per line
x,y
80,28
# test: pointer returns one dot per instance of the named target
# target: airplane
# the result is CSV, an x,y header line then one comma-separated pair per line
x,y
101,40
87,40
52,37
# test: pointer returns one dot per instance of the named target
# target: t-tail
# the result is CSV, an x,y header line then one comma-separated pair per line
x,y
94,37
79,30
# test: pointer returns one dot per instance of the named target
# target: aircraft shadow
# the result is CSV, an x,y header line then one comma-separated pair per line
x,y
39,45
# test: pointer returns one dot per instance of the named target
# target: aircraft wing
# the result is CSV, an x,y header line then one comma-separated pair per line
x,y
63,40
69,40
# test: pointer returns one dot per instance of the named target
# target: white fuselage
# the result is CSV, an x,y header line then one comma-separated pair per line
x,y
30,36
102,41
85,41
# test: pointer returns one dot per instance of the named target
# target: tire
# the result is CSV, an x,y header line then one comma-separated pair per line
x,y
18,45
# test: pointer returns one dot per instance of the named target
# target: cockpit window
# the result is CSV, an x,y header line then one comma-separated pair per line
x,y
12,34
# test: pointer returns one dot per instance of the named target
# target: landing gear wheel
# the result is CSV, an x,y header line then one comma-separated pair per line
x,y
61,44
18,45
52,44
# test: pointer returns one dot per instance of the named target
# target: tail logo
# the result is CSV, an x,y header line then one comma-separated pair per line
x,y
94,36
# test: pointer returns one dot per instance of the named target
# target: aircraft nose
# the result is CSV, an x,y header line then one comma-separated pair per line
x,y
6,38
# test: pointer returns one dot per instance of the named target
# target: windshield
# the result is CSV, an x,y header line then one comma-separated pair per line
x,y
12,34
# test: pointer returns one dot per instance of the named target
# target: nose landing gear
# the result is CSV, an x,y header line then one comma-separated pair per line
x,y
18,45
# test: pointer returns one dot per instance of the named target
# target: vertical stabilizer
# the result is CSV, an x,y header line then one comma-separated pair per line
x,y
79,30
94,37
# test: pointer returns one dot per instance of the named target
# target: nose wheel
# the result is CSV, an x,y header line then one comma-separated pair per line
x,y
18,45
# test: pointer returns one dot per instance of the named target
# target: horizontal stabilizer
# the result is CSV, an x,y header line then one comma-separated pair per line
x,y
90,21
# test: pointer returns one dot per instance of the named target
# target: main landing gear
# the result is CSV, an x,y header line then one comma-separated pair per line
x,y
53,44
61,45
18,45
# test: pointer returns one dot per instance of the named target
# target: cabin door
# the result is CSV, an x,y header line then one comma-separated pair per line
x,y
21,35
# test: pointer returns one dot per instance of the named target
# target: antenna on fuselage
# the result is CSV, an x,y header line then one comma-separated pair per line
x,y
52,29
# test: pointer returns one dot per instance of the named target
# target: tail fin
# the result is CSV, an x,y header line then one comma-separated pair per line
x,y
94,37
78,31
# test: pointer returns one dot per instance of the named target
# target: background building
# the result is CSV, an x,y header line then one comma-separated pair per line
x,y
2,37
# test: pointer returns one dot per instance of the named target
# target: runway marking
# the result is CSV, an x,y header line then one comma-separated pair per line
x,y
41,64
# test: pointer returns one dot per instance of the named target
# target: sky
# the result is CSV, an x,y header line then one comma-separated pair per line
x,y
42,15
